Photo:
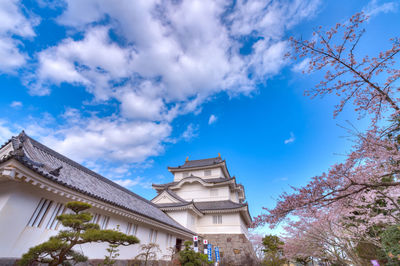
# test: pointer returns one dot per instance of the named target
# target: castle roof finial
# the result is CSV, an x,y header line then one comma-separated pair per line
x,y
187,158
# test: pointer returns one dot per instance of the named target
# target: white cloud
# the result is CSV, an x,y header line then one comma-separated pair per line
x,y
186,52
16,104
302,66
291,139
150,61
129,183
374,7
108,139
94,62
190,132
212,119
13,23
5,132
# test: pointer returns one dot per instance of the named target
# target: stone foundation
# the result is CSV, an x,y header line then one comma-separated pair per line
x,y
235,249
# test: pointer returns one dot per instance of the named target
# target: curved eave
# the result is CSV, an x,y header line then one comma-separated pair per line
x,y
189,206
193,179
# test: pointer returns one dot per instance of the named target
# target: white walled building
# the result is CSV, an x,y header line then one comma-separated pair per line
x,y
204,198
35,184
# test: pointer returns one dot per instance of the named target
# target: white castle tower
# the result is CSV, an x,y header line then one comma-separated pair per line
x,y
205,199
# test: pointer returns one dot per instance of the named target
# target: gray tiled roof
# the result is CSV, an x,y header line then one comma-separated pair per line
x,y
206,180
200,163
173,204
47,162
218,205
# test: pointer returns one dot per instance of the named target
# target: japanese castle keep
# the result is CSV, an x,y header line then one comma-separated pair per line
x,y
203,200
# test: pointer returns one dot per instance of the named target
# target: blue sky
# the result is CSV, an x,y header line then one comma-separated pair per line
x,y
130,89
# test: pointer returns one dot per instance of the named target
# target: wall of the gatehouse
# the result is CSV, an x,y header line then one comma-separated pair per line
x,y
235,249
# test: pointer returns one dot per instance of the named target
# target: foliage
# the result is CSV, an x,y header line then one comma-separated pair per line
x,y
148,252
112,253
391,244
188,257
272,244
273,249
274,259
58,249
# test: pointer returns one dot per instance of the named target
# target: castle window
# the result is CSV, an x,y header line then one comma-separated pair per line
x,y
217,219
131,229
213,192
96,218
169,240
40,212
207,172
153,236
53,222
104,223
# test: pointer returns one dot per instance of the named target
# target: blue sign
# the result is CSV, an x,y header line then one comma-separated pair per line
x,y
209,252
217,254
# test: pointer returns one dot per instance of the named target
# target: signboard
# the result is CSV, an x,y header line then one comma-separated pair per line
x,y
209,252
196,243
217,254
205,241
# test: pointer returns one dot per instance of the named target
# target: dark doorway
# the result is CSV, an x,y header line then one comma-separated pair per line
x,y
178,245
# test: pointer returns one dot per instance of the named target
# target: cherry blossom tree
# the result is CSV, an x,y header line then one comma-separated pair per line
x,y
257,241
363,192
320,237
369,82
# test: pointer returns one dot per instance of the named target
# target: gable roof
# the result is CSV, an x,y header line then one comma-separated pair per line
x,y
167,193
62,170
174,195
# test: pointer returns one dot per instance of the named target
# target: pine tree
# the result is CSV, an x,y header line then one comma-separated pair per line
x,y
58,249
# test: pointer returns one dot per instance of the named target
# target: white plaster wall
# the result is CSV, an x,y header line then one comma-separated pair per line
x,y
197,192
215,173
230,224
234,196
17,204
5,192
179,216
244,228
6,150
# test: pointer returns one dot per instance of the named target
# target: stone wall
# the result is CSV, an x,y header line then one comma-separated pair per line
x,y
235,249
